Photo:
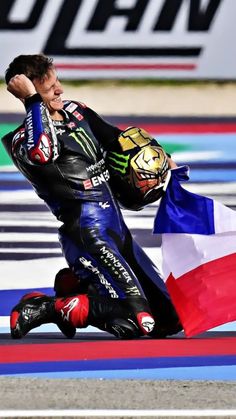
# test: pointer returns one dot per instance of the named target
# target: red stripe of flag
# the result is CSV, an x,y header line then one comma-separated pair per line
x,y
205,296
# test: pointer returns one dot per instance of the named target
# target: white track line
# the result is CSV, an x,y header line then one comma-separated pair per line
x,y
117,413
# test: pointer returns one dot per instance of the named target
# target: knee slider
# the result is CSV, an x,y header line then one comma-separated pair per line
x,y
65,283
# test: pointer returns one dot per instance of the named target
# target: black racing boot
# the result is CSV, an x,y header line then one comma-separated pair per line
x,y
122,329
162,331
33,310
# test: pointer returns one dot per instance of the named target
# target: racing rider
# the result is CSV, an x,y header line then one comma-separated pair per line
x,y
60,149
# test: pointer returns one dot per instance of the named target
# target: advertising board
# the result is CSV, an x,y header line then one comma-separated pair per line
x,y
92,39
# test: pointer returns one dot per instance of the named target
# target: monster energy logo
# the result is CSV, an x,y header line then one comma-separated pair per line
x,y
121,162
85,142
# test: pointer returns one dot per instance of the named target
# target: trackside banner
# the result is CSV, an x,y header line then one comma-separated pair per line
x,y
92,39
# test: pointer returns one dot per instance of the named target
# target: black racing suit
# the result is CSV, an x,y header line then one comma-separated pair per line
x,y
64,162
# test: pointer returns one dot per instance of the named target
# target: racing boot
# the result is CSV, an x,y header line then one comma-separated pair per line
x,y
33,310
120,317
167,322
144,318
100,312
161,331
166,326
122,328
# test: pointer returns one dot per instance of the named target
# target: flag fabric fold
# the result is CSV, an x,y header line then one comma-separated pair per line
x,y
199,255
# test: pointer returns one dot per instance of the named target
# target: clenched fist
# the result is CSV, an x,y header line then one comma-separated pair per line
x,y
21,86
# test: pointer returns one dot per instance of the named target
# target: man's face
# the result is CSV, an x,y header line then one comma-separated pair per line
x,y
50,91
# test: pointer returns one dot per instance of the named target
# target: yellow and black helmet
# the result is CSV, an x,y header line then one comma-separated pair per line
x,y
139,170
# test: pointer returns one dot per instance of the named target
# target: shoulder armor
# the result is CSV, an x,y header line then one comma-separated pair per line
x,y
17,139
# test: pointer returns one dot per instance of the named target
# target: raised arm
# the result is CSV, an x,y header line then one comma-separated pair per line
x,y
40,141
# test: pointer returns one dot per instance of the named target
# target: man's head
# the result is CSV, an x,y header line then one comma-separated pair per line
x,y
40,70
32,66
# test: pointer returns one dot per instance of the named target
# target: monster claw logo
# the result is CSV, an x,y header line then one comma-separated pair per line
x,y
120,165
85,142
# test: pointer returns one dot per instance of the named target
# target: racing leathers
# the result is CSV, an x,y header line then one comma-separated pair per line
x,y
73,312
64,162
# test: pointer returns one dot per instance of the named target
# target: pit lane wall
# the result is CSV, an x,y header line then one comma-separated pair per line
x,y
97,39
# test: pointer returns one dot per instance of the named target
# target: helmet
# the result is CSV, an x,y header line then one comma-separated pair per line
x,y
139,172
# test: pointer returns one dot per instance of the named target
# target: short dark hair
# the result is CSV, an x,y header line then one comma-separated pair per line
x,y
33,66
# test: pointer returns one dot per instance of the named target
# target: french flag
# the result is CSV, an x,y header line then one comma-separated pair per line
x,y
199,255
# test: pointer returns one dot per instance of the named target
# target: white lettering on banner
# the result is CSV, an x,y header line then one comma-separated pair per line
x,y
156,38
